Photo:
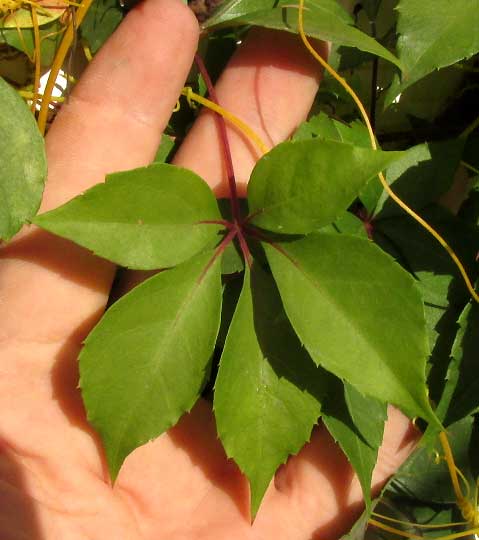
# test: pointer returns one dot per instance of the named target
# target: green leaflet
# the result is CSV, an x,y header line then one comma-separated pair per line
x,y
462,388
23,163
144,219
323,19
352,307
165,149
433,34
357,423
145,363
100,22
324,127
419,178
301,186
268,391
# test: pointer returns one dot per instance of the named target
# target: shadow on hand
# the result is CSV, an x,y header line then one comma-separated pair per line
x,y
18,517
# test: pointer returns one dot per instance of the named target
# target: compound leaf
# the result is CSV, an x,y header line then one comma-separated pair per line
x,y
145,363
302,186
24,165
144,219
352,306
267,393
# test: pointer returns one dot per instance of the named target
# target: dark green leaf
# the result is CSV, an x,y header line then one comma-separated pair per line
x,y
442,288
356,422
463,382
434,34
424,174
330,129
267,391
323,19
23,163
302,186
166,146
144,219
100,22
426,478
352,307
145,363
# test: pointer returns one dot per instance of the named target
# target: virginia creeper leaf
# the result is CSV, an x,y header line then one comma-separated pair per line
x,y
24,165
302,186
323,19
100,22
267,391
144,219
330,129
463,384
146,361
419,178
352,306
433,34
357,423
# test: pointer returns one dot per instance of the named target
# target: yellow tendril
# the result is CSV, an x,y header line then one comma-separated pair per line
x,y
60,55
242,126
418,525
384,183
38,57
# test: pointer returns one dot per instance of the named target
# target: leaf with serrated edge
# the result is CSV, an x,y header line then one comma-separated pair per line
x,y
433,34
302,186
356,422
358,313
146,361
143,219
267,391
323,19
24,165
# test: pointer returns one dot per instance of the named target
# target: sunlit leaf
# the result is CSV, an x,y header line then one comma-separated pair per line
x,y
323,19
23,163
147,360
267,393
352,307
434,34
145,218
302,186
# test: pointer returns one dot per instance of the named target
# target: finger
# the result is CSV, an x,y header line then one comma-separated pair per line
x,y
315,495
112,121
270,84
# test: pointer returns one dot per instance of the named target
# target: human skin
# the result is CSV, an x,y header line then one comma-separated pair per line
x,y
53,478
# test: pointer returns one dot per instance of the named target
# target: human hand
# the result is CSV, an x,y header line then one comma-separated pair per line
x,y
53,479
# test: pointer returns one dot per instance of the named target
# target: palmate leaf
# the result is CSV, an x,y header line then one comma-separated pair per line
x,y
144,219
433,34
23,163
268,391
145,363
358,314
302,186
357,423
323,19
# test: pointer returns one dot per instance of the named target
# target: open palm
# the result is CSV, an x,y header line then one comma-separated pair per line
x,y
53,480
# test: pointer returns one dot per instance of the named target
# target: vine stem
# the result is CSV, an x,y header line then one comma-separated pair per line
x,y
38,56
59,59
220,123
374,146
228,160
